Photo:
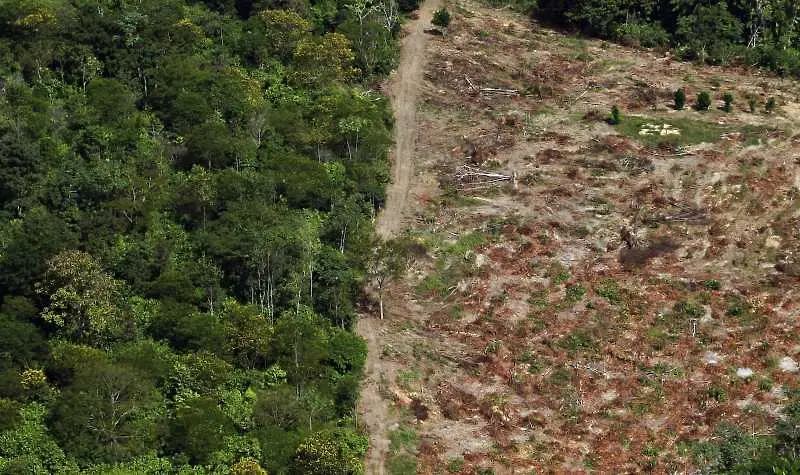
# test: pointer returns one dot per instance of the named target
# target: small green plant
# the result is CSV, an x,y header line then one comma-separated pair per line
x,y
615,116
712,284
728,99
680,99
455,465
770,105
752,103
441,18
703,101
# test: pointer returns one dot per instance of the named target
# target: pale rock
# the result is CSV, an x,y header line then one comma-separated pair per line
x,y
744,373
788,365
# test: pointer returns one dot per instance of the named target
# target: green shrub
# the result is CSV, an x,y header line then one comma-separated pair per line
x,y
441,18
641,34
728,99
680,99
615,116
770,105
408,5
752,103
703,101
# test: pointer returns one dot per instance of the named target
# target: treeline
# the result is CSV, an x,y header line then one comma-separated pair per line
x,y
187,190
756,32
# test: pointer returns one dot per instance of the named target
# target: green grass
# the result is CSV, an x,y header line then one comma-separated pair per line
x,y
402,465
403,438
692,131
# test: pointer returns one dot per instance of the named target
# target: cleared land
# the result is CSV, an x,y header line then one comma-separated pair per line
x,y
623,292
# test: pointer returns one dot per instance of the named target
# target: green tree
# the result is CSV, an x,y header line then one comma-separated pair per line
x,y
331,452
728,100
109,413
703,101
680,99
83,300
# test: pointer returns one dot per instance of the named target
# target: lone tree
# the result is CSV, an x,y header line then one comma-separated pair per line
x,y
703,101
390,261
680,99
441,18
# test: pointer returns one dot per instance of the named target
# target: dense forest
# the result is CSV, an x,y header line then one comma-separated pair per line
x,y
186,205
756,32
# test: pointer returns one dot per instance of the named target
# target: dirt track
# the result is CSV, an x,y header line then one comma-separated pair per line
x,y
403,92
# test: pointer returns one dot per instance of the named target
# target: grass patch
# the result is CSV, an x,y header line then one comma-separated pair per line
x,y
402,465
403,439
691,131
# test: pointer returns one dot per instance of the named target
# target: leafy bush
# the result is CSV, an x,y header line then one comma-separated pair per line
x,y
728,99
408,5
752,103
615,116
703,101
680,99
770,105
646,35
441,18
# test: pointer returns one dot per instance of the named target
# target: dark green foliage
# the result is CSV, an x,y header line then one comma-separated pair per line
x,y
186,199
727,98
770,105
441,18
680,99
715,32
752,104
703,101
615,118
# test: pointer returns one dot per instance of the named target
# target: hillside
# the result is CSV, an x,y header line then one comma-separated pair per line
x,y
583,296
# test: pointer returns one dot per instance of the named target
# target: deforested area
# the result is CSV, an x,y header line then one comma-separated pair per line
x,y
598,257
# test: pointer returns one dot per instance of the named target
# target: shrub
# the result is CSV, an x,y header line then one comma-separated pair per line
x,y
752,103
615,116
728,99
441,18
641,34
770,105
703,101
680,99
408,5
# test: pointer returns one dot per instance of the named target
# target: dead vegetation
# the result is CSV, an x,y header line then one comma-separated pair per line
x,y
586,297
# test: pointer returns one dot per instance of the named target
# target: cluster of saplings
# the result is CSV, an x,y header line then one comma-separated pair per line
x,y
187,192
704,101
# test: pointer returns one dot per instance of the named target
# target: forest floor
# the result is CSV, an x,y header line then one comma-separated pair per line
x,y
583,296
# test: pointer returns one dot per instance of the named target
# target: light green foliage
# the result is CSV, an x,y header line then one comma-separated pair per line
x,y
83,299
332,452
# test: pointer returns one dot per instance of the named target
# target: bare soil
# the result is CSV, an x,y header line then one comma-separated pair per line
x,y
592,313
403,92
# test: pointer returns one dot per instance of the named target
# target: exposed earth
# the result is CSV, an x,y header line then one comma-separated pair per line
x,y
583,296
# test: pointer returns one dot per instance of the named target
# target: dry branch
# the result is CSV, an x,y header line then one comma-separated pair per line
x,y
474,178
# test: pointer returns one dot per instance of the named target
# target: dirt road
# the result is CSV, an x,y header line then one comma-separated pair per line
x,y
403,92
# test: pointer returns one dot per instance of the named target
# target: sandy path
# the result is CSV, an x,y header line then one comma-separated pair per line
x,y
403,92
